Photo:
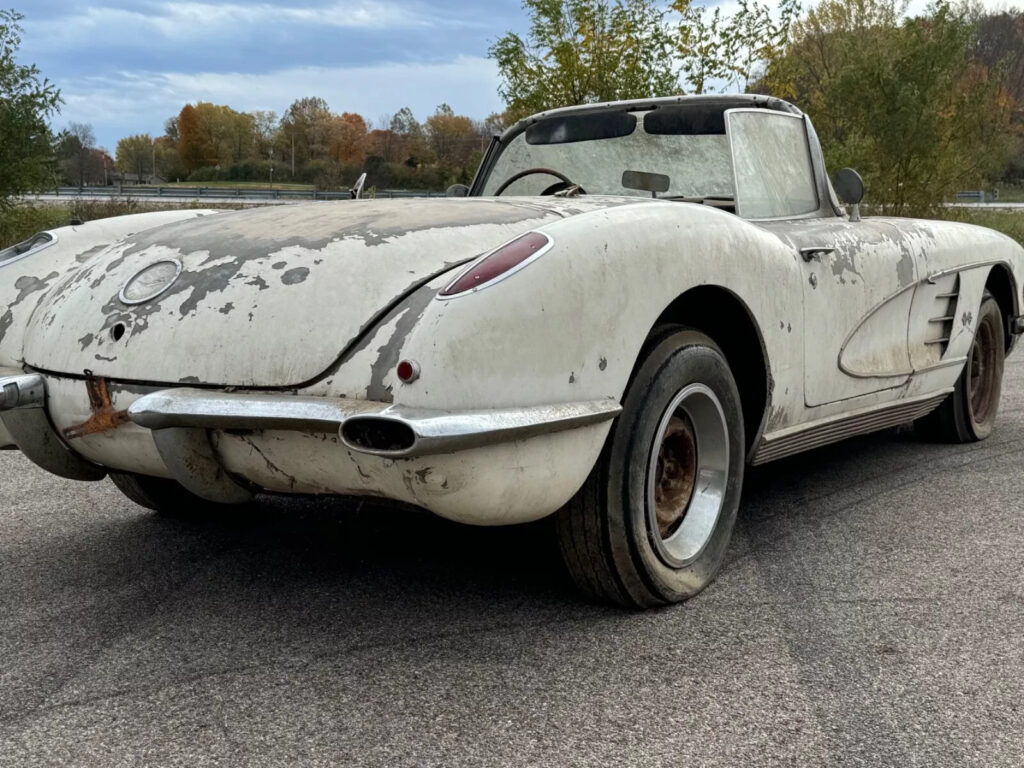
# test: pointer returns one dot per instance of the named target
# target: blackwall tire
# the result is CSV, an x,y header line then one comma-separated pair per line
x,y
652,522
969,413
168,497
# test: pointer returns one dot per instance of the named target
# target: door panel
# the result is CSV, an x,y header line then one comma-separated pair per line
x,y
857,302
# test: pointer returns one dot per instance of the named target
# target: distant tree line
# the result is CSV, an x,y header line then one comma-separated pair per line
x,y
308,144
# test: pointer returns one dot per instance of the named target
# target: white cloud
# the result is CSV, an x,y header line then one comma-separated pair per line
x,y
186,22
113,105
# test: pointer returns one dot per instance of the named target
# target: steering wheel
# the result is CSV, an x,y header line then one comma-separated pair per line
x,y
529,171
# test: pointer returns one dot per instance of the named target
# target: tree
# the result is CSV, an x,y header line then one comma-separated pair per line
x,y
306,130
349,139
26,102
720,52
194,149
265,122
411,142
583,51
76,149
135,154
453,138
899,99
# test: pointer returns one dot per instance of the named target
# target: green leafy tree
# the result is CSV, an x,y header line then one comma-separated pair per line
x,y
135,154
584,51
901,100
27,151
722,52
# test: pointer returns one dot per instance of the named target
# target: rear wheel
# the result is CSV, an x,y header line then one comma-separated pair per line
x,y
969,413
167,497
652,522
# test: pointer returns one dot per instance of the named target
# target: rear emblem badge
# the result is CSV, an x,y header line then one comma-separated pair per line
x,y
148,283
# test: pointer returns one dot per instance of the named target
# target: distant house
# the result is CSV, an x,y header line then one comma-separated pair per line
x,y
129,179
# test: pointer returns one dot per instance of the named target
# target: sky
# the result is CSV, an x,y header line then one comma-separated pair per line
x,y
125,66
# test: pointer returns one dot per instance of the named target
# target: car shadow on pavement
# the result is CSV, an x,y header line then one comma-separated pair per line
x,y
375,547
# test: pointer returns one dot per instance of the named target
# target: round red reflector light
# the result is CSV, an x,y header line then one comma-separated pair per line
x,y
408,371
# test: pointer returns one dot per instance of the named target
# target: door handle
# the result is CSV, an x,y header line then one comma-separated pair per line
x,y
815,252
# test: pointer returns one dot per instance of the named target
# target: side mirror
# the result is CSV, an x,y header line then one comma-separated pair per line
x,y
457,190
850,188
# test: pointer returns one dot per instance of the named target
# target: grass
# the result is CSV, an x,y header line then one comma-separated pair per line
x,y
238,185
1008,222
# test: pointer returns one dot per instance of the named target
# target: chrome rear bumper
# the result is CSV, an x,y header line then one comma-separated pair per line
x,y
415,432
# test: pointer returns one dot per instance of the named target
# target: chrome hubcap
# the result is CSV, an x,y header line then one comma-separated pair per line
x,y
687,475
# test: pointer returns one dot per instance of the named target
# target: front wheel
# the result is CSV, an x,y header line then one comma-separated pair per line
x,y
652,522
969,413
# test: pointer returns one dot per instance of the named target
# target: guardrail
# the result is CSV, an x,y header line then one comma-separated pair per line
x,y
977,195
230,192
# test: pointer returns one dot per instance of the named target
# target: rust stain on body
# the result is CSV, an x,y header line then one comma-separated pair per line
x,y
104,417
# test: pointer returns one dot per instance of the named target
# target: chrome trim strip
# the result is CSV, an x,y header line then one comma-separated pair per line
x,y
439,432
237,410
816,434
31,251
435,431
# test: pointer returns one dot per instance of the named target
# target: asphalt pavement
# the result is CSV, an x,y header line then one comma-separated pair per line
x,y
870,612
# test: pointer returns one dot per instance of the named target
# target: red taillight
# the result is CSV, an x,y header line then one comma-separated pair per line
x,y
506,258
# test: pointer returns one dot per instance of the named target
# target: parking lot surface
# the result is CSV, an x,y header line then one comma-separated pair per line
x,y
870,612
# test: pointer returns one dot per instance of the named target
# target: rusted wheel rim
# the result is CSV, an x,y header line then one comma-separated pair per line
x,y
676,473
687,475
983,369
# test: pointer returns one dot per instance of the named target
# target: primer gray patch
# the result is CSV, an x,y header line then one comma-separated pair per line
x,y
295,276
411,310
26,286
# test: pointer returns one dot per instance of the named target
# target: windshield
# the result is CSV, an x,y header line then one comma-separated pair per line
x,y
604,152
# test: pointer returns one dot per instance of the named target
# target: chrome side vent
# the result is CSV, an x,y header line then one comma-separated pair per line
x,y
940,325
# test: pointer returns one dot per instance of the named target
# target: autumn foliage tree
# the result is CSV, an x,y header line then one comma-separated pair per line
x,y
349,139
194,148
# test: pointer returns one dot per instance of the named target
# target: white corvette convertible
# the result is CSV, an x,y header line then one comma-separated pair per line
x,y
631,303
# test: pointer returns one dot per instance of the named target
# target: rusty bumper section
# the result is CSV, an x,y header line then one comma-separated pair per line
x,y
23,417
